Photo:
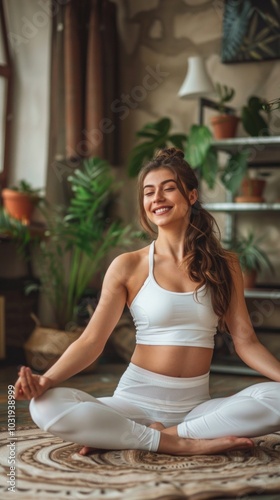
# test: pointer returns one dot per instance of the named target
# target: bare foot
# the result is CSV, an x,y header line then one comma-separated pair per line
x,y
184,446
86,450
157,425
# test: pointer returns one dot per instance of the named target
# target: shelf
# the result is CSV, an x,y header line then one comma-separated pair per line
x,y
262,293
234,144
263,153
241,207
263,150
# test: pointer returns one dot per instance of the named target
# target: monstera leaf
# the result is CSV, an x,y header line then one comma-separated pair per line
x,y
157,136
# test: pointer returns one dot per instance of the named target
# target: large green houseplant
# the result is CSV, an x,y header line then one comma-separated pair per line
x,y
79,238
76,241
199,152
154,135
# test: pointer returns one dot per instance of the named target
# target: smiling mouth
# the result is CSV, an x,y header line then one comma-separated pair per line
x,y
162,210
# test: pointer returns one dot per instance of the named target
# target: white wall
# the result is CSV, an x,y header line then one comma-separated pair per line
x,y
29,33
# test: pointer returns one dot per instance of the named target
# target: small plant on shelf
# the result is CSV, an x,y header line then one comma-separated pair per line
x,y
20,201
26,188
225,123
251,257
225,94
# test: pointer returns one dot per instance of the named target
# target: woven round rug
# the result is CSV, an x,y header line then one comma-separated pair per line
x,y
47,467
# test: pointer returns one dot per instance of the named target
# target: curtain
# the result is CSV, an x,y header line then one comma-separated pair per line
x,y
84,83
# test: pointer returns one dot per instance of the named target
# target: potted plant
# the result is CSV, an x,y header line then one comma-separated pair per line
x,y
225,123
76,241
20,201
251,257
251,190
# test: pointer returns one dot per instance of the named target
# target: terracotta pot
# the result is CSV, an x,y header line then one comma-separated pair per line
x,y
249,279
224,126
251,191
19,205
45,346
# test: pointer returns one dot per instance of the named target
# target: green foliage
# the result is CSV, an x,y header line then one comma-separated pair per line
x,y
250,254
157,136
201,155
235,170
83,236
199,151
26,188
225,94
78,238
252,120
13,228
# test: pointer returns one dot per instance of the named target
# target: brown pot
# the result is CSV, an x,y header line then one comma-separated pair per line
x,y
224,126
251,191
45,346
19,205
249,279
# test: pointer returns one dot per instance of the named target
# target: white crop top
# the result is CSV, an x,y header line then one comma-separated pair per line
x,y
162,317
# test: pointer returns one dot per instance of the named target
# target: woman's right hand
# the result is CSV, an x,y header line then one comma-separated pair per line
x,y
29,385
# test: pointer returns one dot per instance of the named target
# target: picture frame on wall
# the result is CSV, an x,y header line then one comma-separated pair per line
x,y
251,31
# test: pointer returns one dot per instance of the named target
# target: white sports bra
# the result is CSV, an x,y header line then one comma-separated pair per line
x,y
162,317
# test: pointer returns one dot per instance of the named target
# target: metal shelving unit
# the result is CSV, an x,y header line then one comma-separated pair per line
x,y
264,152
232,207
235,143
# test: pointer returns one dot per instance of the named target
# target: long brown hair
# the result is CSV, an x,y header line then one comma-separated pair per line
x,y
206,261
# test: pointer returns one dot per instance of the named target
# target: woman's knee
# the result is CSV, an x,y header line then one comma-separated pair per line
x,y
51,405
267,393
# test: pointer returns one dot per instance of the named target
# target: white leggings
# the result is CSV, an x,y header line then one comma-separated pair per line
x,y
143,397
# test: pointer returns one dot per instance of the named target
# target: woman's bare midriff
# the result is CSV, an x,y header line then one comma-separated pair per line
x,y
173,361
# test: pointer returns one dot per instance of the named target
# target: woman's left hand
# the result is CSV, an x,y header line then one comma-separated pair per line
x,y
29,385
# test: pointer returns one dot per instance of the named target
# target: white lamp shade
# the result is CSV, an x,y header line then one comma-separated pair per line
x,y
197,81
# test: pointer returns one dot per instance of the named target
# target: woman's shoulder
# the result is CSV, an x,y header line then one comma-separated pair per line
x,y
127,263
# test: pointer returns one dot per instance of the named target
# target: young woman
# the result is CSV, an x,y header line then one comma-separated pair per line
x,y
178,289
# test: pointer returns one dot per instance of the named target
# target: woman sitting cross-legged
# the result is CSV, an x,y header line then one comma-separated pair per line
x,y
179,289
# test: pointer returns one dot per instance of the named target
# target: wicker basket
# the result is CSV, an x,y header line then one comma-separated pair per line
x,y
45,346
